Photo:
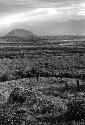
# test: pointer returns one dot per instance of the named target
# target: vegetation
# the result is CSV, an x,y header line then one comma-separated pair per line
x,y
46,88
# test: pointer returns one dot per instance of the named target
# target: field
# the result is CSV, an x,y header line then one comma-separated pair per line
x,y
42,85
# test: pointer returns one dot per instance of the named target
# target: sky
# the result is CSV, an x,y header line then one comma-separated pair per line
x,y
43,17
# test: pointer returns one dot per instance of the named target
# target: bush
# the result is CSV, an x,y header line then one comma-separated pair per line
x,y
76,110
4,78
47,109
19,74
16,96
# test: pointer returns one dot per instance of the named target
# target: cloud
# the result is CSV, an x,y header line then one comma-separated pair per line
x,y
34,12
82,10
43,14
40,14
35,15
8,6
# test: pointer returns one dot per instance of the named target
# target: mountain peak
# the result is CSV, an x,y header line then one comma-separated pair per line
x,y
20,33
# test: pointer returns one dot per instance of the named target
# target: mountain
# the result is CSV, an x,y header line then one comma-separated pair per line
x,y
20,33
70,27
69,30
73,27
19,36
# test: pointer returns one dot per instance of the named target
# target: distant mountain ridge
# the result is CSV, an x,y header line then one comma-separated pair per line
x,y
22,37
20,33
69,27
23,33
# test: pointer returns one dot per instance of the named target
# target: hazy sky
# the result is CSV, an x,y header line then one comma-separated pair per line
x,y
40,16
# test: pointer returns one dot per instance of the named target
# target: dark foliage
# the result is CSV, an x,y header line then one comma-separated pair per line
x,y
19,74
16,96
29,74
4,120
75,111
4,78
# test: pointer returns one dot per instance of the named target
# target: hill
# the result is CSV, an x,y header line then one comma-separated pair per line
x,y
20,33
19,36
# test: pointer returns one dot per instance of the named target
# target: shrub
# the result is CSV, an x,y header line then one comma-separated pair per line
x,y
76,110
4,78
47,109
16,96
19,74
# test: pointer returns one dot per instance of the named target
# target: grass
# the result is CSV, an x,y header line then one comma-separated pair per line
x,y
44,102
47,108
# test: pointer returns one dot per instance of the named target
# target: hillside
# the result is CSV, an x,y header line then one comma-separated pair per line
x,y
18,36
20,33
